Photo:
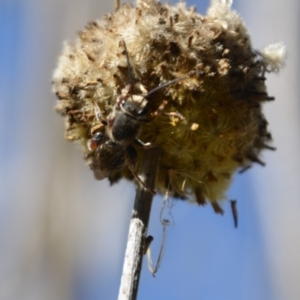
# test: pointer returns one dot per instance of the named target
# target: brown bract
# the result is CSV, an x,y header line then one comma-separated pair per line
x,y
212,123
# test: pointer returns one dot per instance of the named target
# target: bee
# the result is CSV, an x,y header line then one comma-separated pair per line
x,y
114,145
111,157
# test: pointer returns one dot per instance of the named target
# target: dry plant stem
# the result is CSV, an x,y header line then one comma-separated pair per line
x,y
138,227
117,4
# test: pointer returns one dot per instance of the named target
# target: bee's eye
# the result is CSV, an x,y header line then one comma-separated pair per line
x,y
96,140
98,136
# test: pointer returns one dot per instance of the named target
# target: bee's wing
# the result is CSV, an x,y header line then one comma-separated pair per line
x,y
97,166
100,174
109,158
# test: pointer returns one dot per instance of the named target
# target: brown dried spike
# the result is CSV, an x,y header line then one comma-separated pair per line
x,y
217,208
190,39
199,196
234,212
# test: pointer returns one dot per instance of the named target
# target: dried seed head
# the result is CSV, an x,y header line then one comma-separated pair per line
x,y
211,121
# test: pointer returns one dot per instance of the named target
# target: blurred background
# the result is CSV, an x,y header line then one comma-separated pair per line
x,y
63,234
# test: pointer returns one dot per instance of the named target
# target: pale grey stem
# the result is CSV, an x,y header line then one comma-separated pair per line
x,y
139,226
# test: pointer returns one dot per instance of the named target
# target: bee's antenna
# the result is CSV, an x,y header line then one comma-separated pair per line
x,y
169,83
129,68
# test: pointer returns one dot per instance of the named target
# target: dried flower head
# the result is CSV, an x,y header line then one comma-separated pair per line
x,y
205,115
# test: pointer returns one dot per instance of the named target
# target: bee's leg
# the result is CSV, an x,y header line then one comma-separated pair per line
x,y
143,145
131,157
159,110
137,177
97,127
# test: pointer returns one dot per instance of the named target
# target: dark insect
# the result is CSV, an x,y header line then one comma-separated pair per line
x,y
114,145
